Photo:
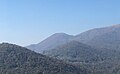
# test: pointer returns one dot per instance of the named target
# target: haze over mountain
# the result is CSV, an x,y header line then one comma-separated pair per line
x,y
18,60
51,42
107,37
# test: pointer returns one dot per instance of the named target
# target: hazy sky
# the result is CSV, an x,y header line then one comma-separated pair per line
x,y
26,22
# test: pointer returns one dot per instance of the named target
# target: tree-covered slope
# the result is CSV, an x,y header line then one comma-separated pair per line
x,y
75,51
18,60
99,61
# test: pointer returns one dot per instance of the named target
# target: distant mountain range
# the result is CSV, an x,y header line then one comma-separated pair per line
x,y
107,37
18,60
51,42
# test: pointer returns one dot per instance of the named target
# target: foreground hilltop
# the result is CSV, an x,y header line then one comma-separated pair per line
x,y
19,60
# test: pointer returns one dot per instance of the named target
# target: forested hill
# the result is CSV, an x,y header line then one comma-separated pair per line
x,y
18,60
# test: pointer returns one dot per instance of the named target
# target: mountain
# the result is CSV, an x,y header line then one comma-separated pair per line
x,y
51,42
78,52
107,37
99,61
74,51
19,60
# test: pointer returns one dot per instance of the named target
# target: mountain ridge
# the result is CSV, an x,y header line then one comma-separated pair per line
x,y
94,37
15,59
51,42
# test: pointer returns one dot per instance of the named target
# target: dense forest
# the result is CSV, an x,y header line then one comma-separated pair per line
x,y
18,60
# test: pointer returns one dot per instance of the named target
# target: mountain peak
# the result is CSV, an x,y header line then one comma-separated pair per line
x,y
61,34
51,42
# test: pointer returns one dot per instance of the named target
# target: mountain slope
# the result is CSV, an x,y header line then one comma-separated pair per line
x,y
101,61
51,42
107,37
18,60
75,51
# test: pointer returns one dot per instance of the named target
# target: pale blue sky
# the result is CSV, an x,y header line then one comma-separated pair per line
x,y
26,22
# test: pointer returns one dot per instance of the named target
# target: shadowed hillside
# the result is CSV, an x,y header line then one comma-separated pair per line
x,y
18,60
